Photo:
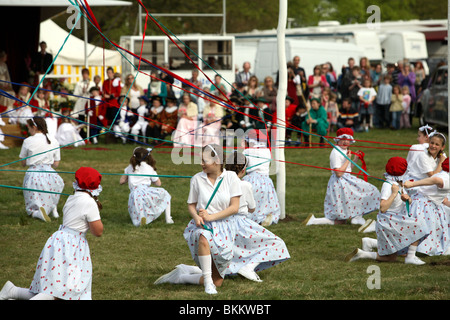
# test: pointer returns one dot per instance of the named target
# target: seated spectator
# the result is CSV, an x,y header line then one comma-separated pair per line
x,y
316,120
348,116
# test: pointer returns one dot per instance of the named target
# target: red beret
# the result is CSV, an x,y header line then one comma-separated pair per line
x,y
445,165
396,166
342,131
88,178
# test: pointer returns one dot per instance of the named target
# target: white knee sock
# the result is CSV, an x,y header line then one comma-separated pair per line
x,y
42,296
206,266
191,278
18,293
168,214
411,251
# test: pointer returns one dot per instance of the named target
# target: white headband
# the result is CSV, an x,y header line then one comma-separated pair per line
x,y
434,133
214,151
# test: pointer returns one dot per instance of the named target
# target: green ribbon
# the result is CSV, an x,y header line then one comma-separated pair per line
x,y
209,201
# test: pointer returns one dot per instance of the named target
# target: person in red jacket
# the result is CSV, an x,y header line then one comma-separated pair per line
x,y
95,113
111,91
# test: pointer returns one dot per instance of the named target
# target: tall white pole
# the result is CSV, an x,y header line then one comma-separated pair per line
x,y
281,115
86,63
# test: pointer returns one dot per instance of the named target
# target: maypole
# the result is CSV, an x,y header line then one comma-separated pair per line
x,y
281,115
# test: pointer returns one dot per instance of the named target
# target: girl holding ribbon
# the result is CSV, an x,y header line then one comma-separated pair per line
x,y
213,203
427,206
398,232
347,197
145,203
64,268
41,153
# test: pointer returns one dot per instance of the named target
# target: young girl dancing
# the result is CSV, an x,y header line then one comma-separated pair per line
x,y
213,203
347,197
397,231
423,139
259,156
427,206
41,154
145,203
64,268
255,247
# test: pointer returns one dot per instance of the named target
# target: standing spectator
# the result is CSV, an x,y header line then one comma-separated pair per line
x,y
330,75
111,92
354,83
408,78
406,104
364,65
243,76
383,102
5,84
302,74
344,78
375,74
420,76
367,95
316,82
82,92
397,70
40,62
396,107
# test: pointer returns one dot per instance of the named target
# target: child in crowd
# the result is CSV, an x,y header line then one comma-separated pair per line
x,y
398,233
145,203
332,111
122,121
383,102
40,152
396,107
96,114
64,268
367,95
347,197
406,104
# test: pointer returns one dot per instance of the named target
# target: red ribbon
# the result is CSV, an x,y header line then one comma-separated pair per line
x,y
361,155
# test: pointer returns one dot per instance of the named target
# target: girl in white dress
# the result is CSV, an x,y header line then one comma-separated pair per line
x,y
428,206
145,203
347,197
397,231
68,133
41,154
259,156
423,139
213,203
255,247
64,268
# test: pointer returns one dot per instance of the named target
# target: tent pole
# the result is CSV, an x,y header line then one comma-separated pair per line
x,y
281,106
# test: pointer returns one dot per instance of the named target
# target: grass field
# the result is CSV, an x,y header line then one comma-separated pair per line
x,y
127,260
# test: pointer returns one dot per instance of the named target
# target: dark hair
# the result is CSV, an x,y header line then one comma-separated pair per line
x,y
236,162
141,154
40,124
214,151
440,136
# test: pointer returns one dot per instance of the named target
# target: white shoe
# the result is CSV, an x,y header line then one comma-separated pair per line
x,y
414,260
267,221
249,274
169,220
358,220
355,255
210,288
171,277
308,221
366,225
2,146
5,294
41,214
368,244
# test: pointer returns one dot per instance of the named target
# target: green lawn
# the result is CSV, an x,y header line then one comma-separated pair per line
x,y
127,260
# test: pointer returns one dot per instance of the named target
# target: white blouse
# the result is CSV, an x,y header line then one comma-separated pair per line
x,y
337,160
201,190
37,145
144,169
79,210
247,200
259,159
